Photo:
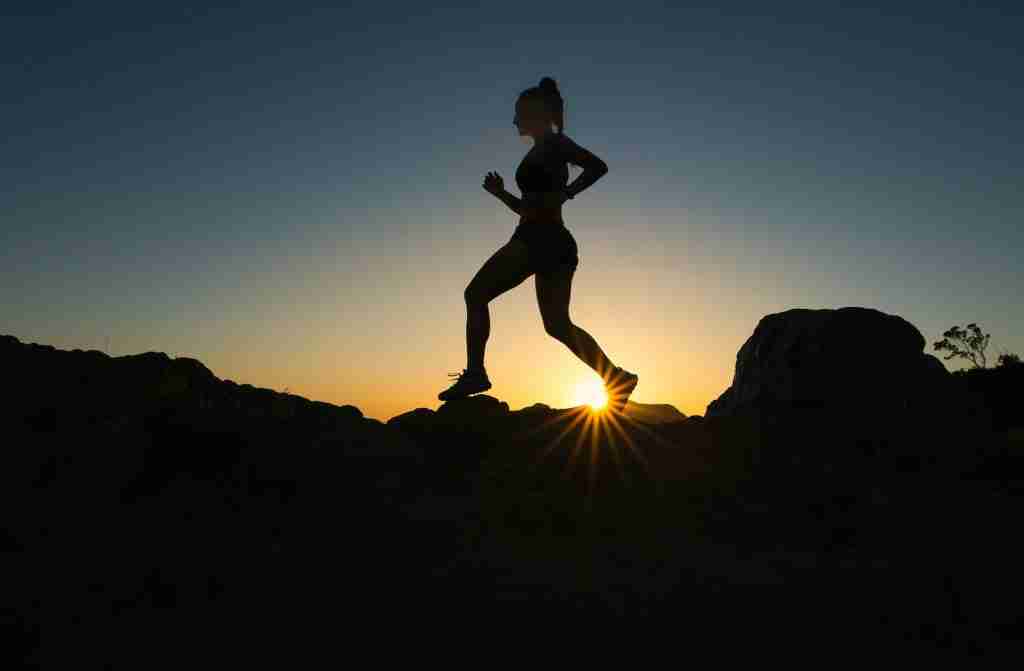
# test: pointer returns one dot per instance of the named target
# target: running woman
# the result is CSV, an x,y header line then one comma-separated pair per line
x,y
541,245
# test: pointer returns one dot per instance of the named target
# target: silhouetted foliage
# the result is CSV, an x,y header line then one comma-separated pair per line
x,y
996,390
1008,360
966,343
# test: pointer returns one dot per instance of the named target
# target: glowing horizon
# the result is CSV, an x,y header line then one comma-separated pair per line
x,y
292,195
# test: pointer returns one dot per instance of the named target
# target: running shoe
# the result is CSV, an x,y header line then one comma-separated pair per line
x,y
466,383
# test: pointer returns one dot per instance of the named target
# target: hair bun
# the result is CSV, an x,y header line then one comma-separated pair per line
x,y
548,84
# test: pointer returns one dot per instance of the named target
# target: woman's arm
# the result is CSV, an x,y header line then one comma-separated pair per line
x,y
494,185
515,204
593,167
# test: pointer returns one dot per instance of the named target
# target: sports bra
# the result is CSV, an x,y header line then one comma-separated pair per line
x,y
543,168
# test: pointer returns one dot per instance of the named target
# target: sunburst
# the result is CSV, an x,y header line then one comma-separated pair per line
x,y
591,392
592,432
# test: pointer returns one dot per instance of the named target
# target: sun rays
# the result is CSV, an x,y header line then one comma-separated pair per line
x,y
585,440
597,442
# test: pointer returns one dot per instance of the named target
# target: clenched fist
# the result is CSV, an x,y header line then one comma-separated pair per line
x,y
493,183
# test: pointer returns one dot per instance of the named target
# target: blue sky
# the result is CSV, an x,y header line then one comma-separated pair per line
x,y
293,195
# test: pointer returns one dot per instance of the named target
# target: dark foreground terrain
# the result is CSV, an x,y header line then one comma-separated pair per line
x,y
154,512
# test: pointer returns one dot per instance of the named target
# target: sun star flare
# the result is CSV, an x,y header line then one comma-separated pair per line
x,y
591,392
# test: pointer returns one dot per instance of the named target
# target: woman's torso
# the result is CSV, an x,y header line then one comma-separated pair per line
x,y
543,170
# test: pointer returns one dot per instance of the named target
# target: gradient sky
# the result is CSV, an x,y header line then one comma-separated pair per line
x,y
293,195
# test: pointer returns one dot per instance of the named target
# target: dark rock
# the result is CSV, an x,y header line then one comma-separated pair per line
x,y
415,423
995,395
419,416
144,495
480,411
837,360
538,412
653,413
480,404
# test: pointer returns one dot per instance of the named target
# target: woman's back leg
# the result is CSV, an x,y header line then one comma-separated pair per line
x,y
554,289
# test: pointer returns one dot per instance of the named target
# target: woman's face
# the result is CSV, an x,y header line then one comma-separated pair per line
x,y
532,117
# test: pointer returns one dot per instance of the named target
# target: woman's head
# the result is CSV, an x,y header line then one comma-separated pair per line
x,y
538,108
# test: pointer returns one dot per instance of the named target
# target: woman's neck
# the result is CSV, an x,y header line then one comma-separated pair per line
x,y
545,137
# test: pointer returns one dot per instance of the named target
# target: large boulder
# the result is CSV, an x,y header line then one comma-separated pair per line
x,y
853,359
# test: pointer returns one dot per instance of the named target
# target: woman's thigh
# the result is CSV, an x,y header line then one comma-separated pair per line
x,y
506,269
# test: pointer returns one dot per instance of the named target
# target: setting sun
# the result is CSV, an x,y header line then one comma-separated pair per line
x,y
591,392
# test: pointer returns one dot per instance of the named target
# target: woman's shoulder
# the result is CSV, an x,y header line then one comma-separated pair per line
x,y
566,147
559,147
556,146
562,139
571,152
566,144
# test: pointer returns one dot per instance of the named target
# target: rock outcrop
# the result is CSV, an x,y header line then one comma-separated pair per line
x,y
856,360
653,413
57,390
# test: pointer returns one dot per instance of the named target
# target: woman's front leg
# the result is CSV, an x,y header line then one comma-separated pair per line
x,y
504,270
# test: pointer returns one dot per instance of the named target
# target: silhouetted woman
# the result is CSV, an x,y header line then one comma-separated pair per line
x,y
541,245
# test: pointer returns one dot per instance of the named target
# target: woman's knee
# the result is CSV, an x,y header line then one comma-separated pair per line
x,y
475,296
559,329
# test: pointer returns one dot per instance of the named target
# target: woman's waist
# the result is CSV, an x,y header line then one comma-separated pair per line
x,y
534,229
542,205
541,208
542,220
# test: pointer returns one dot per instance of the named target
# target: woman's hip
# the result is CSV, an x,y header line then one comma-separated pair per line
x,y
543,232
549,245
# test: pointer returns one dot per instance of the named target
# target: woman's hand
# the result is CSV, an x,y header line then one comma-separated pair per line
x,y
493,183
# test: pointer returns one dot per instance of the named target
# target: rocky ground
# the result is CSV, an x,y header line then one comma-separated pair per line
x,y
147,501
